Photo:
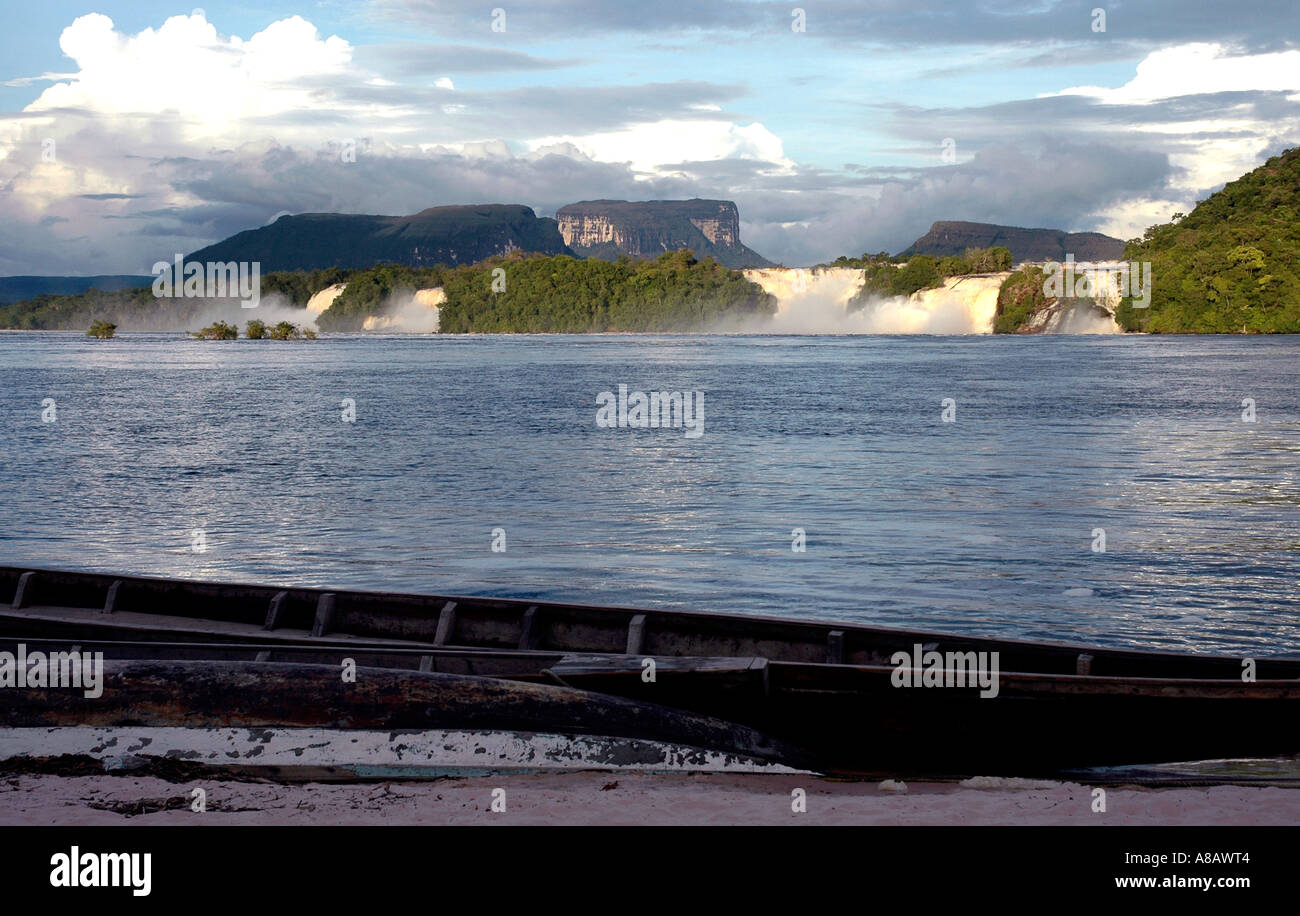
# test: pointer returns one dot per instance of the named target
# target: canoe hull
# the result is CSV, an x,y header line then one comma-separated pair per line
x,y
819,692
212,694
856,719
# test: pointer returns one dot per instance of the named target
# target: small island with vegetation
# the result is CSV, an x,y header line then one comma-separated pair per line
x,y
255,330
218,330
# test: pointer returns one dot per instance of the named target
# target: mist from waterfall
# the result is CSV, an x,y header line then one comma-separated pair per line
x,y
405,311
815,301
1083,318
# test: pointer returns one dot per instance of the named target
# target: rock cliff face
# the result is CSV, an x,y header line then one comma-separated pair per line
x,y
439,235
953,238
608,229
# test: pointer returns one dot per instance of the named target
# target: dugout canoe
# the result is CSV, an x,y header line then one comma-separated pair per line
x,y
824,692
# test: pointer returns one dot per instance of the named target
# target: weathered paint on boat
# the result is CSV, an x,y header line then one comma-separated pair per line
x,y
808,692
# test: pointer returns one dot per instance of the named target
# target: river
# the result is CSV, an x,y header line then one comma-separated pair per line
x,y
1099,489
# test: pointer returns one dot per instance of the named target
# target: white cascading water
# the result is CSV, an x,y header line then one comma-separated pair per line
x,y
814,301
808,301
1083,313
415,313
963,305
1080,318
324,299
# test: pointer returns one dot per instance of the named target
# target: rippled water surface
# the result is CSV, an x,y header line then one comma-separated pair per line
x,y
984,525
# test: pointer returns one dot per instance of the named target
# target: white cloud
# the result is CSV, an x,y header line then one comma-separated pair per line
x,y
1197,68
1213,149
188,135
177,135
653,146
43,78
1128,220
213,85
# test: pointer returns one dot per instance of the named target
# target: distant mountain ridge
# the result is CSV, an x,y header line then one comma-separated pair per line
x,y
953,237
610,229
453,235
440,235
18,289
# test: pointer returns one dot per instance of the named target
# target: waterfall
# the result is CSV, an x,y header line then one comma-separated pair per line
x,y
324,299
811,301
815,301
412,312
962,305
1075,316
415,313
1089,305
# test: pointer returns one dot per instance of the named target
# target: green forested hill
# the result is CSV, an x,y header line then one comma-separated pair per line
x,y
1232,264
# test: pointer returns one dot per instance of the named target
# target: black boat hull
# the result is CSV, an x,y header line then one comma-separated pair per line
x,y
823,694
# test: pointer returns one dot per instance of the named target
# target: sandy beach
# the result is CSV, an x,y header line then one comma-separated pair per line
x,y
603,798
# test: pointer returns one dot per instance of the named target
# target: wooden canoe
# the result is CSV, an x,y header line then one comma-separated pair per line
x,y
821,691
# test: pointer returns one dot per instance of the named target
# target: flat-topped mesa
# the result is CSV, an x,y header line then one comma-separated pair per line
x,y
953,237
609,229
439,235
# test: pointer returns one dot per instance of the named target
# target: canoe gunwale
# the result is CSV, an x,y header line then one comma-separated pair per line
x,y
404,605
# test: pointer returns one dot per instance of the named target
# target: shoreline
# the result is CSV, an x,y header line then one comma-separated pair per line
x,y
631,799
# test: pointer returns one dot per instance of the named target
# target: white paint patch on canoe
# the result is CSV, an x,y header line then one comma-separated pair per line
x,y
374,752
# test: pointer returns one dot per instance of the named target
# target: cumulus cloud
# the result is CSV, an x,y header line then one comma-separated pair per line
x,y
289,83
210,83
174,137
169,139
1220,124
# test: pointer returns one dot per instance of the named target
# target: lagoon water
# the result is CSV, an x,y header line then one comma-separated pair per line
x,y
985,525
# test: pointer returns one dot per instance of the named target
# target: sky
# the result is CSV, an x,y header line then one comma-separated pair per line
x,y
134,131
